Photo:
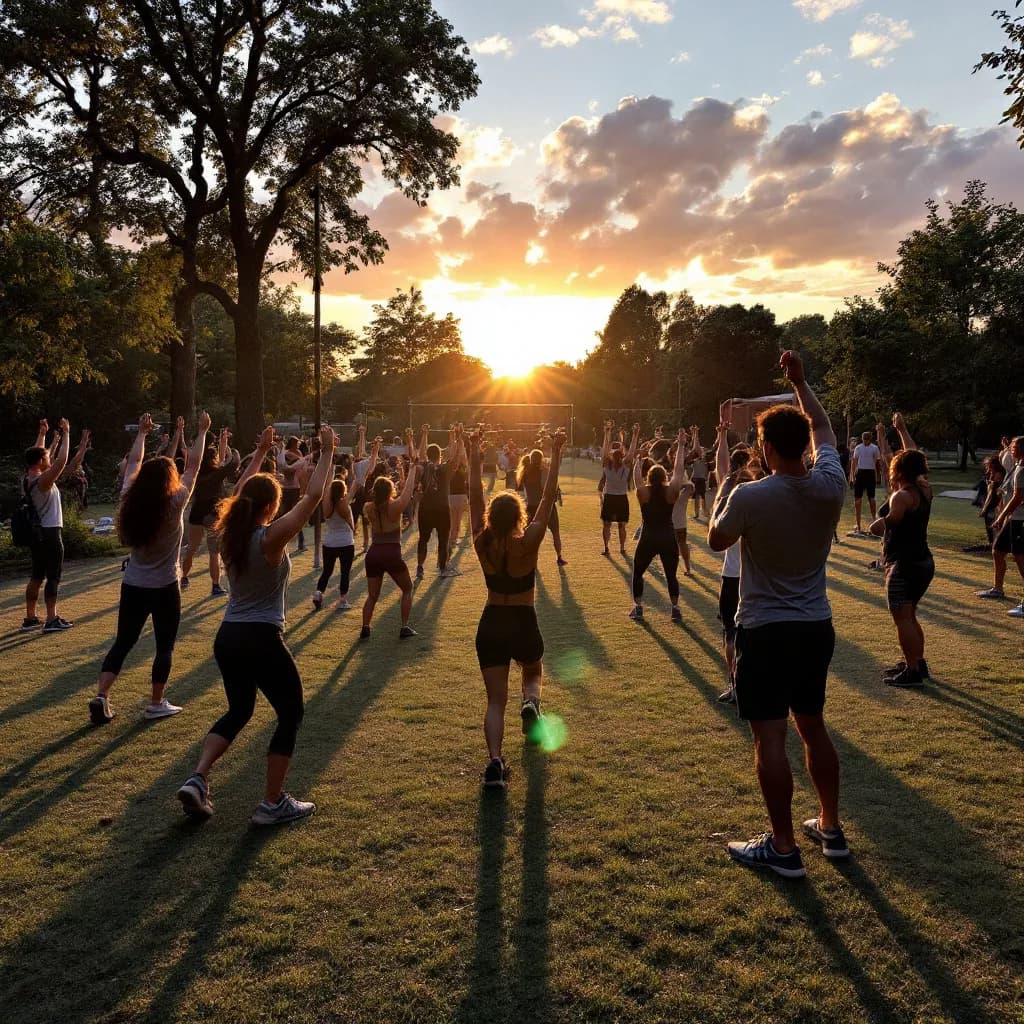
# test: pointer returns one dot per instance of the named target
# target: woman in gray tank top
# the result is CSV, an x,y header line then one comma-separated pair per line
x,y
250,649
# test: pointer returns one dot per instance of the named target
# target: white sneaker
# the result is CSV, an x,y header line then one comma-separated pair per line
x,y
162,710
286,809
992,593
1018,612
318,599
344,606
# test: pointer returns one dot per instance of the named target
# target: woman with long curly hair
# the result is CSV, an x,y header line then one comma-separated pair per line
x,y
250,649
150,520
507,548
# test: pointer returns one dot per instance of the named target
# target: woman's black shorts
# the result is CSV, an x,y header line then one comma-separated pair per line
x,y
906,582
508,633
615,508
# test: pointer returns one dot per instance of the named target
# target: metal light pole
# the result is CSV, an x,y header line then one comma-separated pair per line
x,y
317,284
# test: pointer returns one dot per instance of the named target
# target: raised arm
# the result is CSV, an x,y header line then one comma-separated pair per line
x,y
137,452
60,458
44,429
679,478
722,454
821,428
901,429
633,444
421,454
606,447
410,444
476,485
76,463
265,443
401,503
194,456
179,431
536,530
361,443
281,531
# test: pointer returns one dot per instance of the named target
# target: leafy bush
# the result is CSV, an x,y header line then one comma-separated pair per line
x,y
79,542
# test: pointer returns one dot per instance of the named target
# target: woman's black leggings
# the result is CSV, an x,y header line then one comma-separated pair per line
x,y
252,656
137,604
344,557
665,547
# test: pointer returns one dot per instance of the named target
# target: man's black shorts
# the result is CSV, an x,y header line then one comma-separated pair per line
x,y
864,482
700,486
431,519
1010,540
782,667
48,554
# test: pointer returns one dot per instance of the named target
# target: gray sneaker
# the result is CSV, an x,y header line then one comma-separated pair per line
x,y
163,709
833,842
286,809
195,798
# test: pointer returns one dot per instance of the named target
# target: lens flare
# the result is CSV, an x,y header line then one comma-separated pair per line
x,y
573,666
550,733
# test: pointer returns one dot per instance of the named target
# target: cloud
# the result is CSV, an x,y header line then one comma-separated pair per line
x,y
681,58
822,10
491,46
651,12
879,37
480,146
815,78
555,35
821,50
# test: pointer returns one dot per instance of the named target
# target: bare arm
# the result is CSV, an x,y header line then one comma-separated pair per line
x,y
722,455
76,463
44,429
138,450
60,460
281,531
401,503
476,486
821,428
631,454
901,429
361,443
194,456
899,504
424,441
536,530
679,479
266,442
606,447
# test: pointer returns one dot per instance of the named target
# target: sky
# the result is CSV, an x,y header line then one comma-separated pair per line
x,y
769,151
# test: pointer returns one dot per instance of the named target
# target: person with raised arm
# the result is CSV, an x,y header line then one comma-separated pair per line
x,y
250,649
219,465
458,499
434,513
908,561
865,467
385,508
42,472
150,521
530,481
679,523
785,638
507,547
698,474
338,543
616,463
1008,526
657,495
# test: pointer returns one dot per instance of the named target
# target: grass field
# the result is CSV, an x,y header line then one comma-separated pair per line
x,y
597,890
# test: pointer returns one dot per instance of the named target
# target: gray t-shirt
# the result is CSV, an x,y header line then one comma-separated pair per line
x,y
48,504
1015,485
156,564
257,593
785,525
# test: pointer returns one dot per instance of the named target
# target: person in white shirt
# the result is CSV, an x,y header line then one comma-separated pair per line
x,y
864,468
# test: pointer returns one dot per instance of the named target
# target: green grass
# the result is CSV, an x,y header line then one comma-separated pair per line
x,y
597,891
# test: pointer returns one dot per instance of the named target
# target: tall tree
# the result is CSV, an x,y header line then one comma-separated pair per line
x,y
243,103
1009,62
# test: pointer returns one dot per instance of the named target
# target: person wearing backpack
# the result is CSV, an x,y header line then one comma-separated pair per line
x,y
46,542
434,512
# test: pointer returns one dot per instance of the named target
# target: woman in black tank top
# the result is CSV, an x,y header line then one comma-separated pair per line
x,y
909,566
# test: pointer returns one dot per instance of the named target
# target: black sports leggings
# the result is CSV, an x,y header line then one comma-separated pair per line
x,y
252,656
344,557
665,546
137,605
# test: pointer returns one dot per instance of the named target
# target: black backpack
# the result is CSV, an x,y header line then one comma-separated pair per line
x,y
26,529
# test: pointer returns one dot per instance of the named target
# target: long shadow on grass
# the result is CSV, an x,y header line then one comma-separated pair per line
x,y
1001,724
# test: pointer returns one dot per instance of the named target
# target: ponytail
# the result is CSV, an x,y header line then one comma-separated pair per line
x,y
238,516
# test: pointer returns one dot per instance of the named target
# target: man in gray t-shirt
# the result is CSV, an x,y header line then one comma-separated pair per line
x,y
785,639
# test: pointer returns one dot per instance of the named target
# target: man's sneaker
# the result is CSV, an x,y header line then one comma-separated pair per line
x,y
406,632
727,696
318,600
164,709
195,798
218,591
833,842
1016,613
496,774
100,711
29,623
286,809
760,853
449,572
677,613
364,633
905,678
992,594
183,583
344,606
530,714
922,669
57,625
637,613
419,572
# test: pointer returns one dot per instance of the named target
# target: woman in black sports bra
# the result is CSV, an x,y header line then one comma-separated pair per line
x,y
507,548
909,566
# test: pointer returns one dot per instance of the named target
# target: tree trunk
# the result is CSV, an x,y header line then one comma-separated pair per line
x,y
965,442
183,358
249,410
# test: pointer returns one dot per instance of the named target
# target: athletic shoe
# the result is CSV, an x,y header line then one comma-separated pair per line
x,y
530,714
636,533
450,572
992,593
30,623
606,553
218,591
496,774
406,632
637,614
100,710
677,613
344,606
622,551
162,710
760,853
907,677
855,533
183,583
561,561
364,633
195,798
57,625
727,696
833,842
286,809
419,572
922,668
318,600
1017,613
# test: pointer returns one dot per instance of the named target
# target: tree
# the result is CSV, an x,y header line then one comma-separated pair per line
x,y
226,113
1009,62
